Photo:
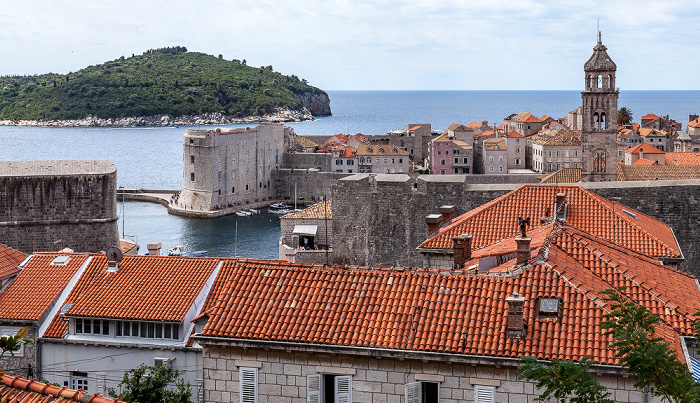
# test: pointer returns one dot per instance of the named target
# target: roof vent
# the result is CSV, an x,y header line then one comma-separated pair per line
x,y
60,261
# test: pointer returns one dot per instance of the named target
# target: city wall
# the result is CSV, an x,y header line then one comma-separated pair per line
x,y
46,204
380,220
311,185
319,161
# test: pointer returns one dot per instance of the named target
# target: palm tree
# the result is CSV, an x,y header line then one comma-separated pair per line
x,y
624,116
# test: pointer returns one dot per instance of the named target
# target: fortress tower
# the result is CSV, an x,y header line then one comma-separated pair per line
x,y
599,130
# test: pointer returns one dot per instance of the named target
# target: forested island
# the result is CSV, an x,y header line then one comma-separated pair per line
x,y
160,87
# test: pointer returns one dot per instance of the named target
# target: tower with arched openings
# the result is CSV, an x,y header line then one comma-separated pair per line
x,y
599,129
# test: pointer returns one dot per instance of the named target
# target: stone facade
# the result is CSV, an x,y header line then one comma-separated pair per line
x,y
599,123
318,161
378,376
224,168
25,362
380,222
45,205
310,184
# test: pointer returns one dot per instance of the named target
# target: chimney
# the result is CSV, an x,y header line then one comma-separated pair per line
x,y
154,248
516,325
462,246
692,117
560,207
522,250
447,213
112,266
433,221
484,122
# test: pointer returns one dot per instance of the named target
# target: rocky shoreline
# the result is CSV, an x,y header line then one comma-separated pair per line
x,y
278,116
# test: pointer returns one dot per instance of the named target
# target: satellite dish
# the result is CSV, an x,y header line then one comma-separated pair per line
x,y
114,254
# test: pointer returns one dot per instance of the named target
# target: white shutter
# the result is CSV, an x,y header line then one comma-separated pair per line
x,y
343,389
484,394
413,392
249,385
313,388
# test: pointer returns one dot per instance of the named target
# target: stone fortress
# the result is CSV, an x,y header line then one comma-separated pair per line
x,y
49,205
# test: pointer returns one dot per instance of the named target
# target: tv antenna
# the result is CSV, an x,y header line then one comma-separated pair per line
x,y
114,254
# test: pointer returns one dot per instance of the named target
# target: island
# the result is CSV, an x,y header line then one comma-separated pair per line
x,y
161,87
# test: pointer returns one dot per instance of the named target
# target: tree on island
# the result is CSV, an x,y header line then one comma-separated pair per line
x,y
624,116
639,350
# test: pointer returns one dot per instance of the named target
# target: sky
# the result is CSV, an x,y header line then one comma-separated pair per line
x,y
372,44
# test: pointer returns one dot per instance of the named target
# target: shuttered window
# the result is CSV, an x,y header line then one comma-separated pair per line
x,y
484,394
313,388
249,385
413,394
343,389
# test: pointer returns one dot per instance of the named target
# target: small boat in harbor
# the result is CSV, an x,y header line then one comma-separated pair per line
x,y
178,250
279,206
254,211
243,213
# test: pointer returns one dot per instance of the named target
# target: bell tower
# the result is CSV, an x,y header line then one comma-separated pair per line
x,y
599,130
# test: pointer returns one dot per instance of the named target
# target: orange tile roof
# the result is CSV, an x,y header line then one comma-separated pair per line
x,y
649,116
644,161
9,260
645,148
586,210
529,119
321,210
473,125
491,144
425,310
694,123
657,172
305,142
154,288
414,128
560,137
564,175
651,132
513,133
346,152
37,286
17,389
487,133
126,245
689,158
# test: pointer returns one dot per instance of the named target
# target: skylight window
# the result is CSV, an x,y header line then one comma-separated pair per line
x,y
629,213
60,261
549,306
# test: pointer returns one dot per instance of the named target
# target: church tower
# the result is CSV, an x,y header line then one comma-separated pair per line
x,y
599,130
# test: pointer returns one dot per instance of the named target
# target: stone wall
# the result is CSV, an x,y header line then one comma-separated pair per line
x,y
311,184
380,220
282,377
24,362
319,161
48,201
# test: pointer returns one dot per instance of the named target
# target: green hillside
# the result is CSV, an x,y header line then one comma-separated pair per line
x,y
165,81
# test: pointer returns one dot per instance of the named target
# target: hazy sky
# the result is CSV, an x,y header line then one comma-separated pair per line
x,y
383,45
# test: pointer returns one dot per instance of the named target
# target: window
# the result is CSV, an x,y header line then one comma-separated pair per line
x,y
550,153
456,160
400,160
233,189
12,332
79,380
92,326
558,153
442,162
149,330
465,160
422,392
517,150
517,161
491,169
484,394
325,388
500,168
500,158
491,158
439,152
249,385
575,153
191,159
351,162
192,176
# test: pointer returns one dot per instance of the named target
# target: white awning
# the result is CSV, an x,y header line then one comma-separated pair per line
x,y
305,230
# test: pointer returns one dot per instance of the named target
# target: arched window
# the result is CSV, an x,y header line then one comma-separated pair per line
x,y
611,84
596,121
603,122
600,81
599,161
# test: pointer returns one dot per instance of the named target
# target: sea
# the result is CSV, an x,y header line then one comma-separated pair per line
x,y
151,157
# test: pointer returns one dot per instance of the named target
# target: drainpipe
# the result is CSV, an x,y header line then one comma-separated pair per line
x,y
645,392
37,351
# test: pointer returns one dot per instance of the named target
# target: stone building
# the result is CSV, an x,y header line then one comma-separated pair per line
x,y
644,152
495,156
382,159
693,126
306,235
450,156
599,122
344,160
657,138
49,205
516,145
663,123
229,167
292,333
556,150
414,138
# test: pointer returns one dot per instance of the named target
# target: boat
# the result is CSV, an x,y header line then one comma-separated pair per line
x,y
243,213
254,211
198,253
281,211
178,250
279,206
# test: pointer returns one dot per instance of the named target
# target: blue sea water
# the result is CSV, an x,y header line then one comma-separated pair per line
x,y
152,157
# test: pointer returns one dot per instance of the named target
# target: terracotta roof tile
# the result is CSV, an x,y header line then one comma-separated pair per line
x,y
643,161
373,149
425,310
321,210
585,210
689,158
657,172
126,245
16,389
560,137
513,133
529,119
305,142
37,286
9,260
645,148
564,175
694,123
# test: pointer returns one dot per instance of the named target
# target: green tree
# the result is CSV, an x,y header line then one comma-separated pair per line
x,y
624,116
12,344
147,384
565,380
